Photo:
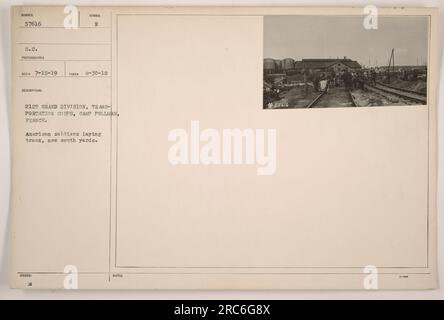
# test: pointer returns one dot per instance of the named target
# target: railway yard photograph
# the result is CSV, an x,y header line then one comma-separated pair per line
x,y
334,61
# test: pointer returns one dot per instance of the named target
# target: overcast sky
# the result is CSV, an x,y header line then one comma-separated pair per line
x,y
301,37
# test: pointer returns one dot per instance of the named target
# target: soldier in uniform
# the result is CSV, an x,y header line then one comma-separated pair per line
x,y
373,76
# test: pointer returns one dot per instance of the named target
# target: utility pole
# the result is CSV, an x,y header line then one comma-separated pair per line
x,y
391,64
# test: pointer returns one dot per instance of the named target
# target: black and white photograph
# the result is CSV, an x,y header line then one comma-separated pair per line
x,y
335,61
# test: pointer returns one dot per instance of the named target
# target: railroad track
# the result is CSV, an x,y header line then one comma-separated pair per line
x,y
415,97
402,89
355,104
318,98
315,100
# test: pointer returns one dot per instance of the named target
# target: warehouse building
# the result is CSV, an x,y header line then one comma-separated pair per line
x,y
289,65
323,65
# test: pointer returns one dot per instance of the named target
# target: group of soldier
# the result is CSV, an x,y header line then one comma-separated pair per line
x,y
323,81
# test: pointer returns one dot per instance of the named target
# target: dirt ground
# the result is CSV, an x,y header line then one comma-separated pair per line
x,y
296,97
370,98
418,85
336,97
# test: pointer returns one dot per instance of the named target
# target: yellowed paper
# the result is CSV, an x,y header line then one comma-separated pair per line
x,y
158,148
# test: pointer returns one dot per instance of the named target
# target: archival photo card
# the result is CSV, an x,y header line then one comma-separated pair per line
x,y
344,61
170,175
